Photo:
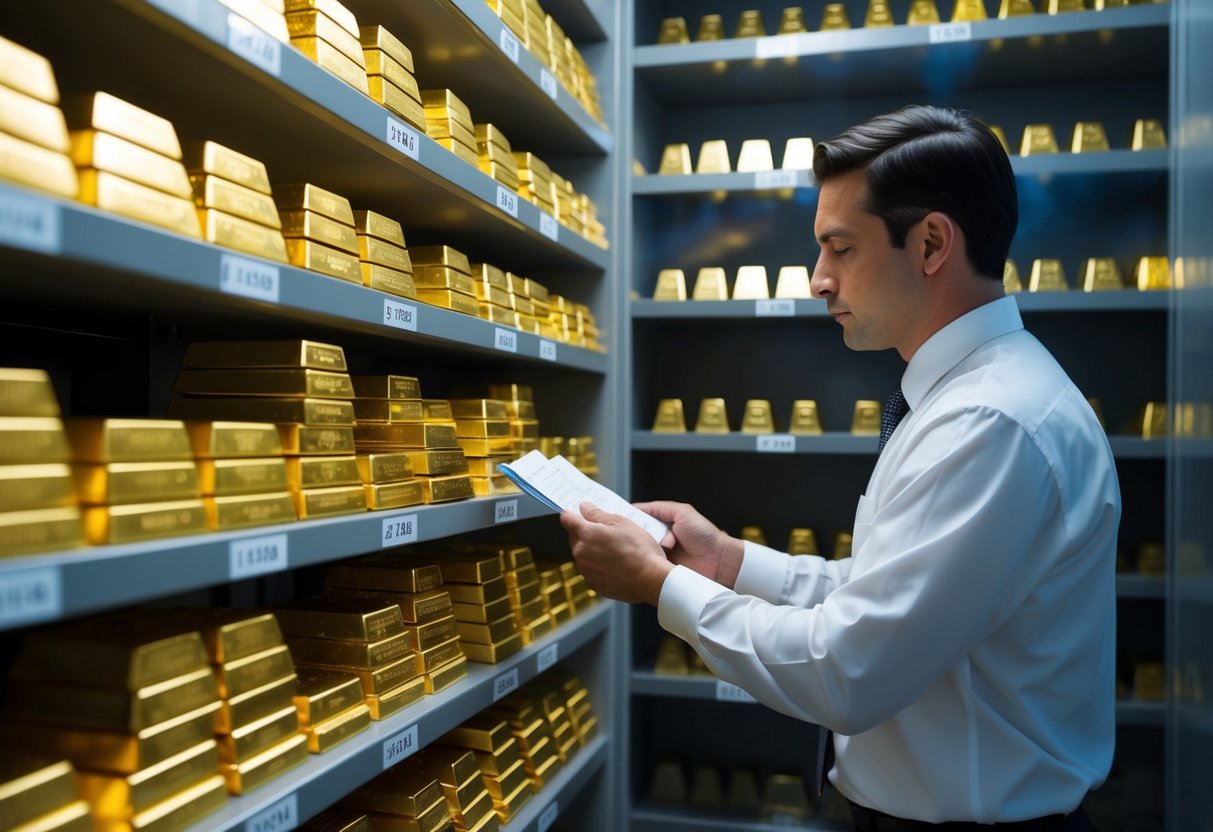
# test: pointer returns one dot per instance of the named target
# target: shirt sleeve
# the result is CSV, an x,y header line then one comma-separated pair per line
x,y
951,553
800,580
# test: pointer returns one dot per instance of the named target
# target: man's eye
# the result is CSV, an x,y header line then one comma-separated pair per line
x,y
841,250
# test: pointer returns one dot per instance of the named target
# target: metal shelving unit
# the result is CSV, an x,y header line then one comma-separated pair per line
x,y
650,818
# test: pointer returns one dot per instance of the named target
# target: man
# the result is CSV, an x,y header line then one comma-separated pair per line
x,y
964,655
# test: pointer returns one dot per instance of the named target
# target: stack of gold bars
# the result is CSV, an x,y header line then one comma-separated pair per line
x,y
39,792
327,32
267,14
443,277
489,737
137,479
495,157
33,135
448,121
241,474
303,387
535,181
387,475
389,74
37,493
530,727
385,261
235,205
337,819
487,421
555,597
573,323
523,304
403,797
257,726
520,408
330,707
129,162
131,700
485,620
783,801
535,24
526,599
577,592
549,696
457,771
492,288
319,230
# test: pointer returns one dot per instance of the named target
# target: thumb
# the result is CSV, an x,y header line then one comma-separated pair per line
x,y
593,513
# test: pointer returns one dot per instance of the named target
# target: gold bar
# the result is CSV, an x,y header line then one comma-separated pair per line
x,y
710,284
378,468
468,567
1038,139
757,417
484,732
1152,273
386,387
234,634
308,254
299,411
319,228
32,165
1101,274
447,488
713,418
398,99
27,72
340,618
1047,276
438,655
324,693
324,735
215,192
108,525
129,440
130,199
444,99
94,149
388,410
264,382
670,418
1148,134
443,277
332,58
379,681
922,13
228,441
251,739
493,485
432,633
26,440
402,790
388,280
492,294
497,314
440,256
309,197
407,435
486,466
384,573
349,653
26,392
437,410
176,812
510,783
240,511
118,483
1015,8
446,675
751,283
33,786
489,134
394,495
377,37
212,158
1089,136
384,65
484,447
415,607
255,704
397,699
327,502
265,14
36,486
380,253
489,633
483,593
482,613
267,765
322,471
332,9
301,354
239,676
102,111
377,225
482,428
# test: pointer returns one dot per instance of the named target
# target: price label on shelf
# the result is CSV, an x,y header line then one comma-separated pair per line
x,y
775,179
775,308
257,556
506,511
507,200
30,223
508,44
950,32
282,816
399,746
548,226
254,45
506,340
400,315
505,684
776,46
402,138
547,817
547,657
547,349
777,443
548,81
398,531
248,278
726,692
28,595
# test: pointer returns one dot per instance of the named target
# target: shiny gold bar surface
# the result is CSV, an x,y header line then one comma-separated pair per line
x,y
440,256
322,471
139,202
252,705
388,410
108,525
432,633
102,151
384,65
384,573
324,735
444,676
332,9
26,392
408,435
379,226
25,440
116,483
303,354
308,254
239,676
249,204
379,468
232,440
33,165
212,158
438,462
340,618
128,440
388,280
27,72
102,111
349,652
324,693
447,299
483,593
377,37
489,633
118,796
48,485
242,777
254,737
327,502
305,439
31,786
386,387
317,227
320,384
312,198
234,634
446,488
176,812
300,411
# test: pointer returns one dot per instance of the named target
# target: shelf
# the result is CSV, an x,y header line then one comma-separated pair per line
x,y
582,20
1122,43
1129,712
62,584
543,809
827,443
1140,586
1029,302
325,778
647,818
1108,162
50,245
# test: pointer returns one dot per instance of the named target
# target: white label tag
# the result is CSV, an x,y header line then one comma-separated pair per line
x,y
506,340
252,44
280,817
31,595
548,81
399,530
547,817
775,308
726,692
400,315
775,179
950,32
547,657
508,43
506,511
777,443
257,556
400,746
248,278
402,138
505,684
31,224
547,349
507,201
776,46
548,226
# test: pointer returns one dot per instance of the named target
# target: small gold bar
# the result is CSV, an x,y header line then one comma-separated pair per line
x,y
251,739
213,159
712,417
25,392
447,299
33,440
388,280
751,283
670,418
468,567
805,419
1148,134
758,417
671,285
324,693
482,428
102,111
308,197
878,14
333,731
380,253
432,633
327,502
711,27
32,786
27,72
1015,8
241,235
398,99
349,653
329,57
176,812
675,159
1101,274
487,633
755,156
493,485
313,226
1047,276
248,204
303,383
750,25
128,440
446,100
386,387
834,17
968,10
710,284
802,542
792,21
866,420
446,488
490,134
448,674
377,37
1152,273
115,483
1010,278
24,487
102,151
1038,139
243,511
482,594
1152,422
108,525
443,277
440,256
130,199
922,13
301,354
713,157
497,314
385,66
387,467
380,227
233,440
254,704
1089,137
322,471
385,574
234,634
308,254
378,681
365,619
842,545
495,652
673,30
793,282
406,435
267,765
298,411
396,699
478,409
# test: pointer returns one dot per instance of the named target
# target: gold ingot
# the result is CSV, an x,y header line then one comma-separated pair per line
x,y
176,812
1101,274
968,10
107,525
751,283
378,681
755,156
1037,139
710,284
491,486
444,101
712,417
842,545
128,440
1059,6
25,440
398,100
267,765
397,699
130,199
380,63
438,462
711,27
300,411
266,16
444,277
386,387
1011,283
669,418
489,632
798,154
382,253
750,25
212,158
1047,276
447,299
210,191
307,254
307,197
802,542
349,653
293,382
331,732
489,134
388,280
241,235
225,513
249,740
713,157
784,799
32,786
324,693
392,575
309,440
440,256
1089,137
482,428
377,37
34,166
1148,135
446,488
923,13
377,225
834,17
102,111
793,282
753,534
879,14
758,417
673,30
321,229
1002,138
388,410
804,420
1152,423
47,485
327,56
1015,8
25,392
117,483
406,435
448,674
238,354
866,421
1151,559
792,21
327,502
27,72
101,151
707,787
231,440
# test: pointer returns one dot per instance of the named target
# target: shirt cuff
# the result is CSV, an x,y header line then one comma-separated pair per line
x,y
684,594
764,573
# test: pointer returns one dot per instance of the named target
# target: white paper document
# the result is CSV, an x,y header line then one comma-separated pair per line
x,y
559,485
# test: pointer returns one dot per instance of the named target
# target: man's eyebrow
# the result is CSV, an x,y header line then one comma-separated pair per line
x,y
825,236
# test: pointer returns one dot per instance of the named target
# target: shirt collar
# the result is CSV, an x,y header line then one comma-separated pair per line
x,y
952,344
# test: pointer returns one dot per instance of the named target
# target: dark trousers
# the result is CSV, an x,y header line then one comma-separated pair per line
x,y
869,820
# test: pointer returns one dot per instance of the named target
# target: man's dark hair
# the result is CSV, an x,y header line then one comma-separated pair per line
x,y
923,159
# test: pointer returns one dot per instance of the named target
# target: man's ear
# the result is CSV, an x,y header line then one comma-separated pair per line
x,y
940,237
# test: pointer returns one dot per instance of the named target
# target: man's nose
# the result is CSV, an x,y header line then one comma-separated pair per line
x,y
821,285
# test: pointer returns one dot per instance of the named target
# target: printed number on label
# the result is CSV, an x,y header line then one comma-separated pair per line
x,y
31,595
506,340
547,657
506,511
399,530
30,223
400,315
950,32
254,45
400,746
281,817
505,684
777,443
507,201
508,44
402,138
548,81
257,556
248,278
548,226
775,308
547,349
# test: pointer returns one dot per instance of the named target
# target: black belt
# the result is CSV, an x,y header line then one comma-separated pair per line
x,y
869,820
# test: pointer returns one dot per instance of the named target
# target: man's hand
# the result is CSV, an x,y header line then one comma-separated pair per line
x,y
617,557
695,543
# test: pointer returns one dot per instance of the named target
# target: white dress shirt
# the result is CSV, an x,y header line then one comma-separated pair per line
x,y
965,654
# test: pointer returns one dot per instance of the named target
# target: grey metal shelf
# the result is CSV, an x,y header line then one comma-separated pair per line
x,y
649,818
68,242
77,581
1140,586
1128,300
692,309
1123,43
325,778
582,20
1108,162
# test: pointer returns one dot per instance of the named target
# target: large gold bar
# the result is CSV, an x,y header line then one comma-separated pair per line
x,y
33,786
482,593
27,72
94,149
427,435
116,483
396,699
447,299
486,466
386,387
468,567
176,812
402,790
324,693
308,254
102,111
341,618
263,767
129,440
482,613
322,471
446,488
314,22
488,633
398,97
328,502
432,633
212,158
380,496
379,681
377,37
389,467
251,739
384,573
415,607
118,796
24,487
482,428
319,384
252,705
440,256
324,735
130,199
30,164
485,447
380,253
300,411
334,60
380,63
25,392
379,226
236,200
491,486
228,441
444,676
109,525
387,280
388,410
438,462
349,652
303,354
311,225
312,198
239,676
25,440
234,634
